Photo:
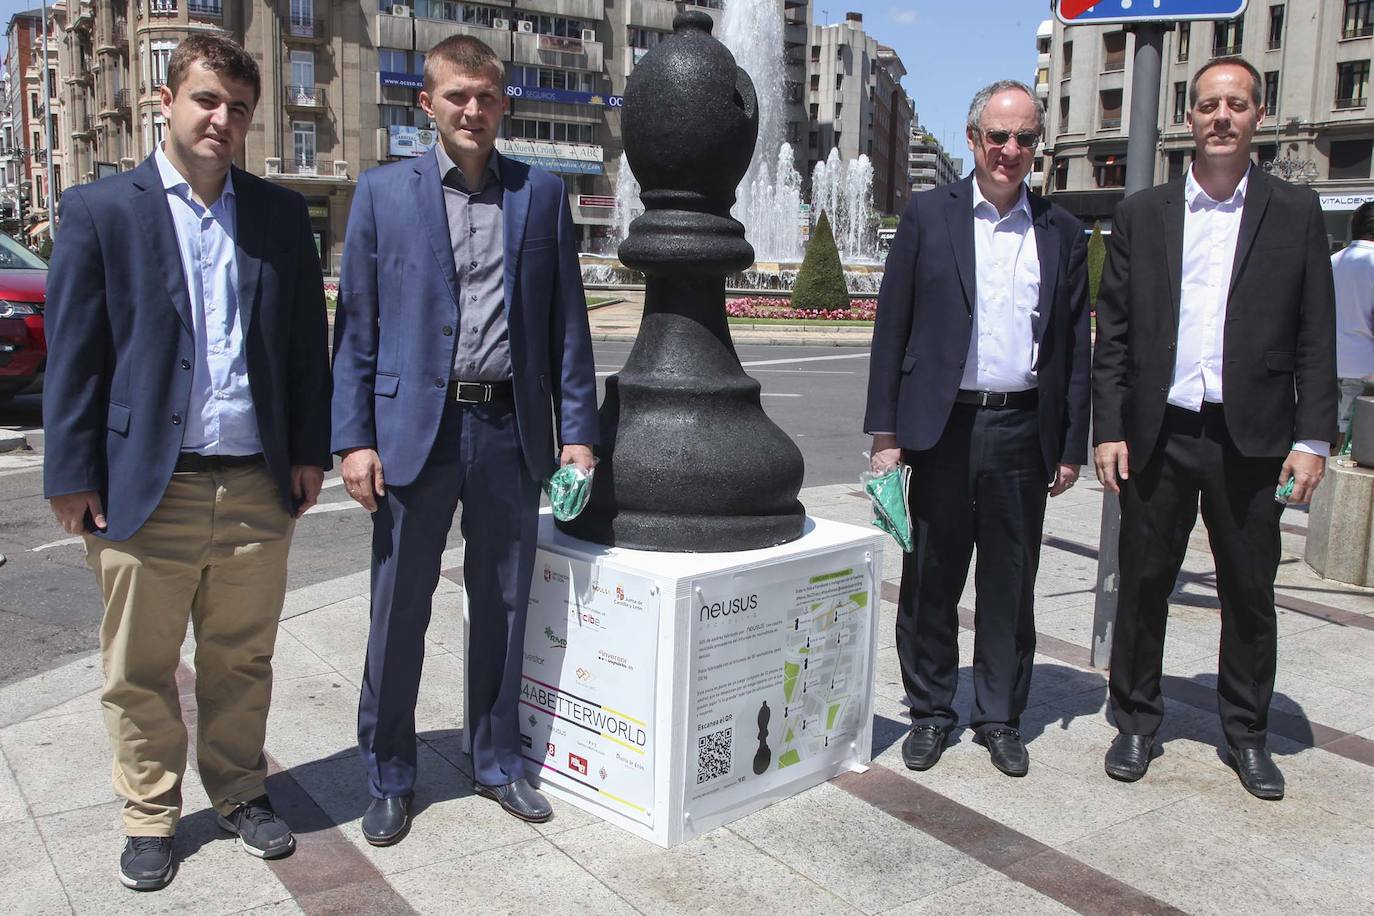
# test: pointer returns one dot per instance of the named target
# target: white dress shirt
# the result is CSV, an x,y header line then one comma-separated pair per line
x,y
1353,268
1004,345
1211,230
220,419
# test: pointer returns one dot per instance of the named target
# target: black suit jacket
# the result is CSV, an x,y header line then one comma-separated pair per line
x,y
121,340
925,318
1278,374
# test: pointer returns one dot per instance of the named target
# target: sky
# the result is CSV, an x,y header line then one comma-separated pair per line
x,y
950,49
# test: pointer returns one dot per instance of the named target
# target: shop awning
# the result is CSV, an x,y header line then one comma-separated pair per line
x,y
38,228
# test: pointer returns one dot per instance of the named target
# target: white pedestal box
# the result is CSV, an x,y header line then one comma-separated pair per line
x,y
670,693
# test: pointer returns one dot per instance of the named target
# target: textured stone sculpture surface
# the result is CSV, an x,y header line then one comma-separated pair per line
x,y
689,460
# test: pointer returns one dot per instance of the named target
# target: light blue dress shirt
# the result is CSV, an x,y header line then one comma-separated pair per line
x,y
219,419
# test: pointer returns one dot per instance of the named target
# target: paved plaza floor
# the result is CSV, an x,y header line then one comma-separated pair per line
x,y
960,838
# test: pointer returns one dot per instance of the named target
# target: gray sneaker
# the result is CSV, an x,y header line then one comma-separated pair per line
x,y
260,830
146,863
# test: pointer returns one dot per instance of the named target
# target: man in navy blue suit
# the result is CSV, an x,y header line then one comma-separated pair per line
x,y
185,413
979,381
461,339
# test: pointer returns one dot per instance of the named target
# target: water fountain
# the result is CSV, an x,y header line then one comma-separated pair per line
x,y
769,197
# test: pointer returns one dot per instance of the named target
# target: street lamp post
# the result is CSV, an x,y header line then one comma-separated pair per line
x,y
48,129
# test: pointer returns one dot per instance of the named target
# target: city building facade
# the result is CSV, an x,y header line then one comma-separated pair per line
x,y
1314,57
26,130
928,164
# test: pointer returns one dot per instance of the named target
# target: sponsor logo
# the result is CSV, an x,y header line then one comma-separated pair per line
x,y
736,605
526,741
534,659
577,764
611,658
555,641
548,573
620,593
549,751
603,774
583,675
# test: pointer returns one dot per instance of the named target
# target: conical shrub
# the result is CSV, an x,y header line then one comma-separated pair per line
x,y
820,282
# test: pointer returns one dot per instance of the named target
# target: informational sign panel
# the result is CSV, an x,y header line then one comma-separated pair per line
x,y
404,140
587,689
1100,12
779,664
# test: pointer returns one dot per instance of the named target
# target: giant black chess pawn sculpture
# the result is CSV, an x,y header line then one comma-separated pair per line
x,y
689,460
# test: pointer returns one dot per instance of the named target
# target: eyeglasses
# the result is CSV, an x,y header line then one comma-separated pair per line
x,y
1026,139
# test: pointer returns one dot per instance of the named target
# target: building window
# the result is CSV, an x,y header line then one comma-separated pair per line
x,y
1185,35
1275,27
303,13
35,106
839,81
1061,174
159,129
302,74
1271,93
1068,60
162,7
815,54
1359,19
644,39
550,78
161,54
1227,38
1350,158
1111,108
1266,153
1109,171
815,110
401,116
556,25
1178,164
1113,52
557,131
1063,113
1180,101
303,146
205,7
1352,82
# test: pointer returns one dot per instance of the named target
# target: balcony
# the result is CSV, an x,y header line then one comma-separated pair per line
x,y
428,33
1358,30
162,8
300,29
1111,123
588,10
305,98
556,51
116,39
1225,50
1347,104
124,99
205,9
651,14
307,169
83,125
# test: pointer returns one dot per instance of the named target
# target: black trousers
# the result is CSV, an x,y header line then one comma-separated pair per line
x,y
1196,458
983,484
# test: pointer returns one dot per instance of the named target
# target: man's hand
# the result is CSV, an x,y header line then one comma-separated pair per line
x,y
1306,470
1113,462
884,455
361,471
1065,476
580,455
71,511
306,480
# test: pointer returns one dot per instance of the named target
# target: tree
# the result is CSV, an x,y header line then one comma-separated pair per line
x,y
1097,253
820,282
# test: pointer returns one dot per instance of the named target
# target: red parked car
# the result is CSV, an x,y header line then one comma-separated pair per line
x,y
23,348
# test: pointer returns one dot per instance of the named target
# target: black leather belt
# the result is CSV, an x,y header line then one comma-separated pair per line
x,y
191,462
999,399
480,392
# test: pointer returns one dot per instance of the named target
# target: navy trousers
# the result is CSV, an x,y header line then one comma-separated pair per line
x,y
476,459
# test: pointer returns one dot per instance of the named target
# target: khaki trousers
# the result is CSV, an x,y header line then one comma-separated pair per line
x,y
214,550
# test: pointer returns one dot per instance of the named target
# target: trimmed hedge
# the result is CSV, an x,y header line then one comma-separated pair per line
x,y
820,282
1097,254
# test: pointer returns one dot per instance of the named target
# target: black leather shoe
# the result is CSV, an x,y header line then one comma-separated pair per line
x,y
387,820
146,863
921,749
1129,756
1257,772
519,798
260,831
1007,750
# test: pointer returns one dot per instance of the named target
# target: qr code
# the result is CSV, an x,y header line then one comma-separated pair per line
x,y
713,754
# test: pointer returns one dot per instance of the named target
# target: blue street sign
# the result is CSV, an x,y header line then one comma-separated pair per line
x,y
1101,12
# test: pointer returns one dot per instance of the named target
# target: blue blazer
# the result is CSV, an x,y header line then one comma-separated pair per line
x,y
925,318
398,290
121,345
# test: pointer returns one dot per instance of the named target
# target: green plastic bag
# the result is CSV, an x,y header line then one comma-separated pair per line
x,y
568,491
891,512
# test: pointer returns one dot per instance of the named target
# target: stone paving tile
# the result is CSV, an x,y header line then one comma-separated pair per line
x,y
1338,655
83,703
1331,783
31,884
445,631
449,821
291,659
12,804
991,893
532,877
856,851
60,763
312,718
213,875
279,908
719,872
35,695
1182,863
336,633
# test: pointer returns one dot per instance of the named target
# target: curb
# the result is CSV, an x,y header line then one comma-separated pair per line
x,y
12,441
767,338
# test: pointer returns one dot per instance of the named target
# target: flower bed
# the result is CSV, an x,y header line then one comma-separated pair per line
x,y
767,307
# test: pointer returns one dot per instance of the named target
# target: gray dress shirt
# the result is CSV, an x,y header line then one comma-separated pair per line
x,y
476,232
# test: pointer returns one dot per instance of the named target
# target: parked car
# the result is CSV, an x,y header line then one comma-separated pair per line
x,y
23,347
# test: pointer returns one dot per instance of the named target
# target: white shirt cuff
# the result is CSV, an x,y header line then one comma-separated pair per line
x,y
1313,447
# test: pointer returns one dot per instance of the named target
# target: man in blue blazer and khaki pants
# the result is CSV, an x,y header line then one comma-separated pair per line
x,y
185,411
461,343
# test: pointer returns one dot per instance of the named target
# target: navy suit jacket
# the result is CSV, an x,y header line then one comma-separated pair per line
x,y
120,341
398,290
925,318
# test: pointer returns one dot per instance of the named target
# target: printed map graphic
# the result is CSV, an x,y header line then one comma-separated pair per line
x,y
822,677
